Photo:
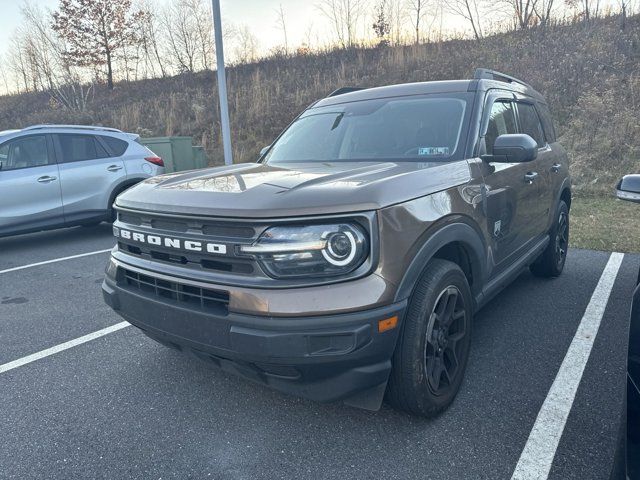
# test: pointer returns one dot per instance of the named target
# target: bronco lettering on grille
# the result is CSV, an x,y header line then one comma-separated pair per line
x,y
171,242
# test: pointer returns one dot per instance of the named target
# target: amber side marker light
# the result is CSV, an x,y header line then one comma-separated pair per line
x,y
387,324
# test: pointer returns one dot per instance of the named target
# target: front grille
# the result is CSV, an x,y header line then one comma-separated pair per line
x,y
219,264
189,296
229,233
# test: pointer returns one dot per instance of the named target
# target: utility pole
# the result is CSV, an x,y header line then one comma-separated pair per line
x,y
222,84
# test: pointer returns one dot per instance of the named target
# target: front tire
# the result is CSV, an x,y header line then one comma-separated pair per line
x,y
551,262
432,352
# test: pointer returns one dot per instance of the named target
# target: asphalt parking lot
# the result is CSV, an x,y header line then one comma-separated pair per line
x,y
121,406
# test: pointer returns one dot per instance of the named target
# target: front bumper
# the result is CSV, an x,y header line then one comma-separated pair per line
x,y
323,358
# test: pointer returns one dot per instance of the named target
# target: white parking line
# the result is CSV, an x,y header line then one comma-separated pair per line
x,y
63,346
538,453
55,260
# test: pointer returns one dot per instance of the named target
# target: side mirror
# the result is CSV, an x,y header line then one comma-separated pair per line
x,y
263,152
629,188
513,148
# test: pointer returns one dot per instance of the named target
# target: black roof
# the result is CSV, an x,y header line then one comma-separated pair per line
x,y
483,80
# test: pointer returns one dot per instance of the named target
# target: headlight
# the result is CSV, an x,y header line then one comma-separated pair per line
x,y
311,250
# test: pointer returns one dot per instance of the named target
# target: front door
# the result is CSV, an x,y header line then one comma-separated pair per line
x,y
30,195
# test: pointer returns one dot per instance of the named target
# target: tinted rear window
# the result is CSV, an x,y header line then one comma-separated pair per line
x,y
530,123
77,148
547,122
117,146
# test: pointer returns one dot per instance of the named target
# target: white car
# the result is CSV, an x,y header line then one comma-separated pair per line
x,y
54,176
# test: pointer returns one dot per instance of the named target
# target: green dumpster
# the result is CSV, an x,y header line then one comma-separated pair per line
x,y
178,153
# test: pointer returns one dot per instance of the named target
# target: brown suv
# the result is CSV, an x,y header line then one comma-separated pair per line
x,y
349,260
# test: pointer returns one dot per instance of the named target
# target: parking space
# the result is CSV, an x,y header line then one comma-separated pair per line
x,y
122,406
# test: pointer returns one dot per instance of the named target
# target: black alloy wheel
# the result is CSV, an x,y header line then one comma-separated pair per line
x,y
447,326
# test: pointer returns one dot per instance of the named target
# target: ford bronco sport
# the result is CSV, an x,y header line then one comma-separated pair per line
x,y
347,263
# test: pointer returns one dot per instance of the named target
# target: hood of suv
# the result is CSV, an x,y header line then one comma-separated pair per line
x,y
296,189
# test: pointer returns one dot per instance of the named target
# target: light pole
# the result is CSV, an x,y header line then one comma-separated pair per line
x,y
222,84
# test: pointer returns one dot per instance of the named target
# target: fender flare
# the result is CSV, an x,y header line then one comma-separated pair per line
x,y
459,232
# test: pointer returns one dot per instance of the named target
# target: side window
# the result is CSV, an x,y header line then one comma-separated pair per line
x,y
25,152
502,120
530,123
547,123
117,146
77,148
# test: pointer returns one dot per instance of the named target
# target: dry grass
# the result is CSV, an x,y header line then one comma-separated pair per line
x,y
589,73
605,223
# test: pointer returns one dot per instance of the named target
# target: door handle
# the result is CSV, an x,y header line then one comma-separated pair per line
x,y
114,168
555,168
530,177
47,179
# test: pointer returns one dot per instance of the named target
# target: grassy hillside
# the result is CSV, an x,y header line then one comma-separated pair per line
x,y
588,72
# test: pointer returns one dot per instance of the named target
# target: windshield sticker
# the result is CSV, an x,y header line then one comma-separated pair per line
x,y
433,151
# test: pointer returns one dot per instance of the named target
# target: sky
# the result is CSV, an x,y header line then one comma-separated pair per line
x,y
259,15
302,17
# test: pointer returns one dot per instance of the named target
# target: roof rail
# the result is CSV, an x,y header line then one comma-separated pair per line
x,y
75,127
488,74
343,90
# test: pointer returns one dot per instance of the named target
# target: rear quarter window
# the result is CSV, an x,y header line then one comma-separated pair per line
x,y
117,146
547,122
530,123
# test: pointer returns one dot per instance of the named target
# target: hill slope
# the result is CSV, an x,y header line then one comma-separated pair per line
x,y
588,72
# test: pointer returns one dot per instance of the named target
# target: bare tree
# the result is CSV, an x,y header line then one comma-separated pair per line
x,y
201,11
470,10
543,10
397,14
47,48
18,64
96,31
189,28
282,25
150,39
523,11
5,80
344,17
41,56
624,5
417,12
246,48
181,36
587,8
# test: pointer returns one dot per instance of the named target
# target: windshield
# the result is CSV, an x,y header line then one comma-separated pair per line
x,y
424,128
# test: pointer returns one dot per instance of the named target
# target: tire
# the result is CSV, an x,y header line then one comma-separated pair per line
x,y
439,310
112,215
551,262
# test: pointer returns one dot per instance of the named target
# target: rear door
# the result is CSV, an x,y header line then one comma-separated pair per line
x,y
546,163
88,175
30,194
512,199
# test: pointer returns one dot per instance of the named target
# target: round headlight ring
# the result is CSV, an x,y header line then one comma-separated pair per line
x,y
332,257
